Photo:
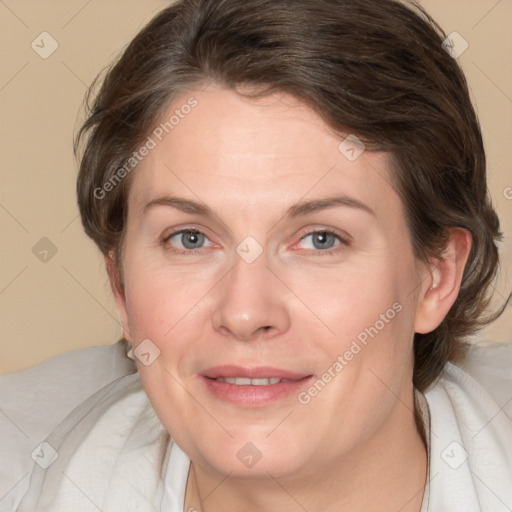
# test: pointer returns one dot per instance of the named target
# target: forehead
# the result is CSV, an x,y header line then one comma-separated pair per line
x,y
224,149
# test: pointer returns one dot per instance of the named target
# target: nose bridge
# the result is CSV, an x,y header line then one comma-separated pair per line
x,y
250,302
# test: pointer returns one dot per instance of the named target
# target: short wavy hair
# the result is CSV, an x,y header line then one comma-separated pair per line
x,y
374,68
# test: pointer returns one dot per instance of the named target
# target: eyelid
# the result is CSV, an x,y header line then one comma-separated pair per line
x,y
344,238
186,229
182,230
342,235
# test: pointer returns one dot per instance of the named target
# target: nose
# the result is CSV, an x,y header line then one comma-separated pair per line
x,y
251,303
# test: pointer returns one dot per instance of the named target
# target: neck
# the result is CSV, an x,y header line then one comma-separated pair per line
x,y
387,473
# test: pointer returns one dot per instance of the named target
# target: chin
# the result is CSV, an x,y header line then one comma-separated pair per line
x,y
254,457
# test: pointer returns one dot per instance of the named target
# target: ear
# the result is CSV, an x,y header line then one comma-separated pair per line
x,y
442,285
117,288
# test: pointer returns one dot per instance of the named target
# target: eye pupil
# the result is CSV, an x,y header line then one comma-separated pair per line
x,y
323,240
192,240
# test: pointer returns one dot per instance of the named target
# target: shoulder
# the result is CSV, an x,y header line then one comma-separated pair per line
x,y
490,364
471,432
34,401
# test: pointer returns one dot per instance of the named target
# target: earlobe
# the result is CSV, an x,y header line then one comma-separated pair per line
x,y
117,288
442,284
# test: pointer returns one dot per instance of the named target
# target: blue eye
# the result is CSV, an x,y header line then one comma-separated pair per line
x,y
320,240
187,239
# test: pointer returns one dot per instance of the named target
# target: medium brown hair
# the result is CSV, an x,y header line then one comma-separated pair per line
x,y
374,68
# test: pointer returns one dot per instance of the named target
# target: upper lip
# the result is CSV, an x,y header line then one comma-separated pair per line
x,y
259,372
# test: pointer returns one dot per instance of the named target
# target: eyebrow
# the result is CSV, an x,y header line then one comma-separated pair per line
x,y
297,210
180,203
307,207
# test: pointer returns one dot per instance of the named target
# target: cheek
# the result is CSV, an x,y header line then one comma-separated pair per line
x,y
162,301
368,309
350,298
153,305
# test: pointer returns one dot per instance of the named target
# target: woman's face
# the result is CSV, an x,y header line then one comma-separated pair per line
x,y
258,247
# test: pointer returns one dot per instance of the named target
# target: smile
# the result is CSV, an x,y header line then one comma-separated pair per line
x,y
245,381
252,387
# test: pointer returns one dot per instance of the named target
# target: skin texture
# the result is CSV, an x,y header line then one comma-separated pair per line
x,y
296,307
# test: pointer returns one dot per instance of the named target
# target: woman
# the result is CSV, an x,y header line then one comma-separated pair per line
x,y
291,201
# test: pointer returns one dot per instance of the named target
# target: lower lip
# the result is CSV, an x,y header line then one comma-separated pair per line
x,y
254,396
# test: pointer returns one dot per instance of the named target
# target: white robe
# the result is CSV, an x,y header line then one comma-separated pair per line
x,y
115,456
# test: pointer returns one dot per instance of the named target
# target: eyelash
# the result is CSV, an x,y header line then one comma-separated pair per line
x,y
183,252
186,252
344,241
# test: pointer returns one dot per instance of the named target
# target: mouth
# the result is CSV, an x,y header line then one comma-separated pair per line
x,y
252,387
245,381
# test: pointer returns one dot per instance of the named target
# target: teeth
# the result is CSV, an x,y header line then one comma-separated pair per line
x,y
245,381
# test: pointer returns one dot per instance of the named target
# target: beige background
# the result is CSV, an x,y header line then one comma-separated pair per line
x,y
64,303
